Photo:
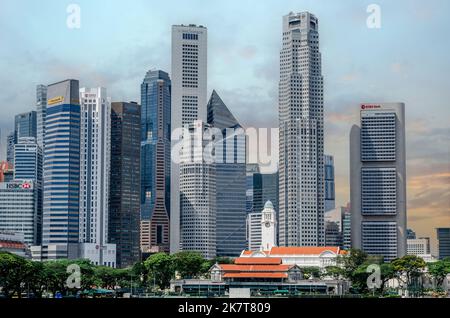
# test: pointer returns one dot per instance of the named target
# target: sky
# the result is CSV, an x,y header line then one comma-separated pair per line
x,y
405,60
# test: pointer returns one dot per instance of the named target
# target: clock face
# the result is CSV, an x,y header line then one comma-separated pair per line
x,y
267,224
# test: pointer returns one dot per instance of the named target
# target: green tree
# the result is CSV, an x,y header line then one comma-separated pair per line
x,y
387,272
408,269
439,270
105,277
34,278
311,272
12,273
188,264
351,261
160,267
334,271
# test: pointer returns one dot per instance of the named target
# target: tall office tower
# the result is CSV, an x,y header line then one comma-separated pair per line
x,y
95,160
251,170
27,160
410,234
301,133
329,183
28,166
334,226
155,158
378,180
443,236
10,142
254,231
265,188
347,228
41,112
125,190
198,193
230,175
60,232
189,89
19,209
25,125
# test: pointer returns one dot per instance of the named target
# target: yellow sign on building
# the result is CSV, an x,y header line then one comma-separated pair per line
x,y
55,100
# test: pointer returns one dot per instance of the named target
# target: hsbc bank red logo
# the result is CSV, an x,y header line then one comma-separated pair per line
x,y
26,186
370,106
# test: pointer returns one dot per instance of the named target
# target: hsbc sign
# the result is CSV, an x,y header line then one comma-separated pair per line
x,y
25,185
370,106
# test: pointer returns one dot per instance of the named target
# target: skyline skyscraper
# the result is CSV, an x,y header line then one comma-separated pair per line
x,y
378,180
28,167
10,142
25,125
301,167
19,210
125,190
251,170
198,213
27,160
329,183
443,236
189,98
155,159
60,231
265,188
41,112
230,178
95,152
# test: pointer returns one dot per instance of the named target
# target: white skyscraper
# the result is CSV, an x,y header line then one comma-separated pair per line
x,y
254,231
378,180
198,194
95,152
189,100
301,171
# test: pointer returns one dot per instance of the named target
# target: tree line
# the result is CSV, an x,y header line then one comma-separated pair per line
x,y
19,275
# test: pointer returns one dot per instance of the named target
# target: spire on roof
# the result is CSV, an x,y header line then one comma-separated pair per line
x,y
218,113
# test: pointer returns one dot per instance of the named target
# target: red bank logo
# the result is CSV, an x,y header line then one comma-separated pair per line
x,y
370,106
26,186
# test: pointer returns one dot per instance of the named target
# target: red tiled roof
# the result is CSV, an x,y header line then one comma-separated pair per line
x,y
258,260
254,268
8,244
255,275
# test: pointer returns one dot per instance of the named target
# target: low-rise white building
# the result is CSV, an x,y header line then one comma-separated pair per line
x,y
307,256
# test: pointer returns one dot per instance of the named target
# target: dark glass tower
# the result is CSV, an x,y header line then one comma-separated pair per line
x,y
25,125
155,161
230,175
125,174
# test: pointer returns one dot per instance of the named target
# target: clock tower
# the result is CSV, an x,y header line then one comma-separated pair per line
x,y
268,227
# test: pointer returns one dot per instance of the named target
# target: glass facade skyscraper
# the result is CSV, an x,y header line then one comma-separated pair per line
x,y
124,197
230,176
60,231
329,183
41,112
155,161
443,236
25,125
